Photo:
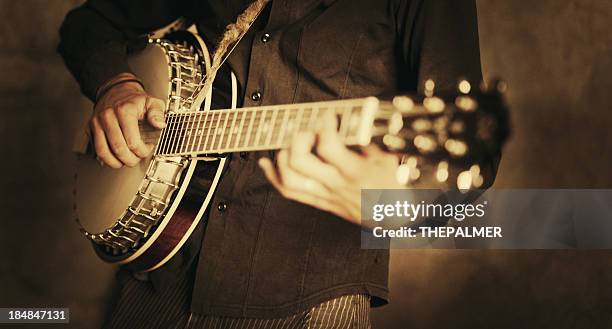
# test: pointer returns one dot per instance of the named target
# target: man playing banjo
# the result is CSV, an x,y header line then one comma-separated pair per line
x,y
280,247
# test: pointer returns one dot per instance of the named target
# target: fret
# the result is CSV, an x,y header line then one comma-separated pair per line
x,y
298,122
222,132
249,130
292,124
195,127
302,124
198,132
188,132
266,128
178,134
184,132
231,129
181,134
313,119
197,118
284,126
353,122
242,119
218,132
171,134
165,135
208,126
344,121
203,130
212,143
259,130
272,127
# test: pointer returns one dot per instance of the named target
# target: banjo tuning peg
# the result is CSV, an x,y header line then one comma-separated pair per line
x,y
430,87
464,87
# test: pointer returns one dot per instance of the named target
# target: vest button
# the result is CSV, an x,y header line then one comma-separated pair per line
x,y
244,155
266,37
222,206
256,96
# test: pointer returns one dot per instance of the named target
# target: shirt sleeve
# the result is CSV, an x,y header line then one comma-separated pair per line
x,y
95,37
439,41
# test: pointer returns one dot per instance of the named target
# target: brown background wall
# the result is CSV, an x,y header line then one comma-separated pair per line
x,y
556,55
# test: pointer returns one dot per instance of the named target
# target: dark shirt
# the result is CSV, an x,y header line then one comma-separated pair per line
x,y
266,256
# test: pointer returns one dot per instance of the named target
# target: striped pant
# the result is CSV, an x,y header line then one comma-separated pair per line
x,y
140,306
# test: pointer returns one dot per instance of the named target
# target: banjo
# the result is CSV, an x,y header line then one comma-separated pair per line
x,y
139,216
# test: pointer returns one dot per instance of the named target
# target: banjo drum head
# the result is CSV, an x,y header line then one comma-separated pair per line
x,y
103,194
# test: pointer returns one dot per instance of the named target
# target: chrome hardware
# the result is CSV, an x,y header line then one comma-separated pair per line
x,y
470,178
156,180
403,103
466,103
137,223
455,147
464,87
169,160
136,213
394,142
430,86
442,172
425,144
396,123
408,172
434,104
149,198
139,231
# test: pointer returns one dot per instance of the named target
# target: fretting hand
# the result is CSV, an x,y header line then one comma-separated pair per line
x,y
331,177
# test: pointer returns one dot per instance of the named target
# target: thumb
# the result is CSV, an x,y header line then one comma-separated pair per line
x,y
154,108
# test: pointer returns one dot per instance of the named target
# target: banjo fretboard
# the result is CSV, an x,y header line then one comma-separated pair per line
x,y
260,128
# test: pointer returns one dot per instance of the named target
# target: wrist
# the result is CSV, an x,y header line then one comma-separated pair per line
x,y
125,81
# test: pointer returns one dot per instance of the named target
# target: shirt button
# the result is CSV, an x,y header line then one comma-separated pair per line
x,y
244,155
222,206
266,37
256,96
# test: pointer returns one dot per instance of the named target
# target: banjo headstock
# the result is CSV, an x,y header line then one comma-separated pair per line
x,y
452,134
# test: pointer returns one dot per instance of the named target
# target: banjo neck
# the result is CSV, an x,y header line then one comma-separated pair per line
x,y
262,128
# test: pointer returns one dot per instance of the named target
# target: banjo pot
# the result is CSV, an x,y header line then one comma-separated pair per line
x,y
127,213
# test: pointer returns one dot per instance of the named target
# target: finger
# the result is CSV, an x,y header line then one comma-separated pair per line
x,y
307,164
128,122
103,152
302,143
293,180
270,172
302,197
372,150
331,149
115,139
155,112
274,177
